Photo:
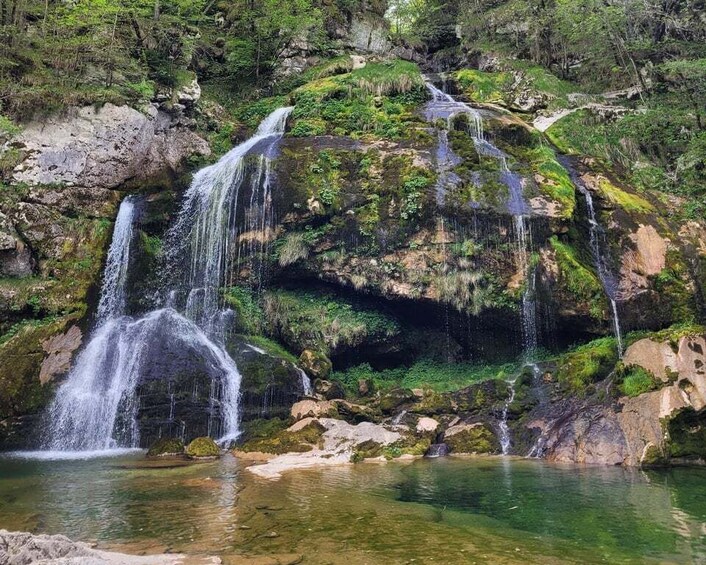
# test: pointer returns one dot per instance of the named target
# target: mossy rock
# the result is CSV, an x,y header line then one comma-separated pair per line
x,y
315,363
203,448
471,438
166,447
299,440
395,398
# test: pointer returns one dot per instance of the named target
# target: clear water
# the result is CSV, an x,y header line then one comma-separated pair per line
x,y
450,510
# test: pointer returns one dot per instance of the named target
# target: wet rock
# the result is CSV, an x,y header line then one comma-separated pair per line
x,y
315,363
60,350
394,398
437,450
20,548
330,390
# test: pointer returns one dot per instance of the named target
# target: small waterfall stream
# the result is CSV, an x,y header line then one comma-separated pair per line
x,y
96,407
596,239
446,107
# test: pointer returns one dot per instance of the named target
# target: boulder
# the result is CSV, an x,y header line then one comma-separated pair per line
x,y
203,448
471,438
426,425
330,390
60,350
103,147
315,363
313,409
166,447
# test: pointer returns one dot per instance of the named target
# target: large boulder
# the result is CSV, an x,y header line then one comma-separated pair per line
x,y
104,147
471,438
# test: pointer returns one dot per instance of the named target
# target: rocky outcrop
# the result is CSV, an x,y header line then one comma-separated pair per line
x,y
103,148
60,350
639,430
20,548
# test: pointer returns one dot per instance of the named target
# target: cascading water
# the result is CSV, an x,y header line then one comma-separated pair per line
x,y
444,106
112,298
206,230
96,408
596,237
305,381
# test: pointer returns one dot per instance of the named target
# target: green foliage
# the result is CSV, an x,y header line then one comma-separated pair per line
x,y
377,100
629,201
248,312
424,373
579,368
580,281
323,321
636,381
294,247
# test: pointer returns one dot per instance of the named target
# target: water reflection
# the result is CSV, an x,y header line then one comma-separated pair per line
x,y
503,510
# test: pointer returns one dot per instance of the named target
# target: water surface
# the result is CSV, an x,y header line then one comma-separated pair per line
x,y
427,511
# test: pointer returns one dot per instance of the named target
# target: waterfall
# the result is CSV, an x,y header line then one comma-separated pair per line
x,y
444,106
206,230
112,297
96,407
596,236
305,381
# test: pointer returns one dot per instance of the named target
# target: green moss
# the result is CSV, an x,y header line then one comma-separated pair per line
x,y
249,314
425,373
475,439
352,104
323,321
555,180
579,280
21,356
628,201
483,86
579,368
636,380
687,434
202,447
271,347
673,285
166,446
282,441
671,335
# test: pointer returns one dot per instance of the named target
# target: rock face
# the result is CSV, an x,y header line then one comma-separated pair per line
x,y
59,349
646,429
103,148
